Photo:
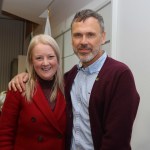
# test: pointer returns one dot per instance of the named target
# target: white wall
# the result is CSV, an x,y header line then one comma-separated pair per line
x,y
63,32
133,48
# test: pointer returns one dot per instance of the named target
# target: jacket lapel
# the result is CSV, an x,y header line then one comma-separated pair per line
x,y
43,105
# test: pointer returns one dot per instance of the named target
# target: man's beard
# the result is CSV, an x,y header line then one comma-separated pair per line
x,y
87,57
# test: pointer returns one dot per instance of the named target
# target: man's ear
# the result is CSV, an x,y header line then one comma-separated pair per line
x,y
103,38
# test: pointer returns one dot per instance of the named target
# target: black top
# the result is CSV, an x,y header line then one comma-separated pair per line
x,y
46,86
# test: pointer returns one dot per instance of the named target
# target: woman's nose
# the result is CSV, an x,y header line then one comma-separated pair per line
x,y
45,61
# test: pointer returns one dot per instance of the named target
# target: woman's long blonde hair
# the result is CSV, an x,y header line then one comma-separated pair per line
x,y
58,78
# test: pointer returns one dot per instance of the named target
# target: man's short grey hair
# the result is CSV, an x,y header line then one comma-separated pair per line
x,y
87,13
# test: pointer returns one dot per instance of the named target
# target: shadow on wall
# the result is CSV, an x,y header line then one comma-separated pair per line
x,y
1,2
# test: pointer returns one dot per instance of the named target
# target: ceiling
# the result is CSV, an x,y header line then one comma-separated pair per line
x,y
32,9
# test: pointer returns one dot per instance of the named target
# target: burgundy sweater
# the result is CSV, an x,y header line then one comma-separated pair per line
x,y
112,108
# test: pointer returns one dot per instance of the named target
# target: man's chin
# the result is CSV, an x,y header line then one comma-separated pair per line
x,y
85,60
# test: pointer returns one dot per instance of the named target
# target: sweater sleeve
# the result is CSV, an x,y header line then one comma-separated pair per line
x,y
121,112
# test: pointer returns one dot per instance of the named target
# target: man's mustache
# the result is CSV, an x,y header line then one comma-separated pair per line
x,y
83,46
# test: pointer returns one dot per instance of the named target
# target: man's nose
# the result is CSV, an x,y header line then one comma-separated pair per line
x,y
84,39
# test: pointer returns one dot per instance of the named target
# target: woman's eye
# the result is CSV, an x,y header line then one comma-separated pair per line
x,y
51,57
39,58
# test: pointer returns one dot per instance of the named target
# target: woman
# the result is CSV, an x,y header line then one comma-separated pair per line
x,y
36,119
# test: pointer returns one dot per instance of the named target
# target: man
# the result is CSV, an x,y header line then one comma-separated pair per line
x,y
102,99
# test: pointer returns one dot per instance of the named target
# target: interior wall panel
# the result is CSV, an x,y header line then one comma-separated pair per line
x,y
11,45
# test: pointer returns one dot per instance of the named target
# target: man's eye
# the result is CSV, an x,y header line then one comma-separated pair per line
x,y
77,35
91,35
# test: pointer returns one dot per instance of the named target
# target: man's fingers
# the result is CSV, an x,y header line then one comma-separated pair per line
x,y
22,86
25,78
15,85
11,85
19,84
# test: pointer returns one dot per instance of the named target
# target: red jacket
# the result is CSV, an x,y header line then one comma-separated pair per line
x,y
32,126
112,107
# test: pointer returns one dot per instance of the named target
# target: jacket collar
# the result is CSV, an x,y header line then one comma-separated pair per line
x,y
52,116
